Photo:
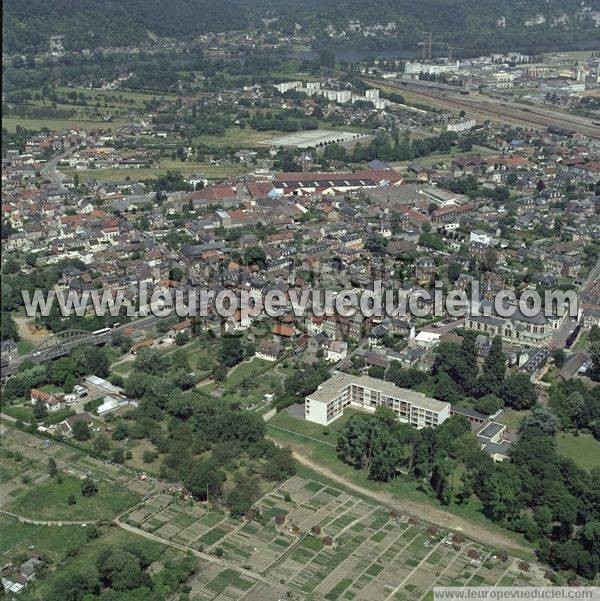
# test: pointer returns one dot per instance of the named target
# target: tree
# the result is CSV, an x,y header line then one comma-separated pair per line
x,y
454,271
559,357
121,431
181,338
118,455
121,570
500,492
88,487
101,443
151,361
52,469
494,369
69,384
518,391
89,359
280,464
8,327
81,431
255,255
231,352
60,370
204,481
595,357
542,418
489,404
39,410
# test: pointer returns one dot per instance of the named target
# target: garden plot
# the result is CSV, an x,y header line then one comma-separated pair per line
x,y
327,543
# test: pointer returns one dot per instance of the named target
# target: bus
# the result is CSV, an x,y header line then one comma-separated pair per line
x,y
101,332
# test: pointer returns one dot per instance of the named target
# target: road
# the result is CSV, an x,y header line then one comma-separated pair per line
x,y
559,336
50,169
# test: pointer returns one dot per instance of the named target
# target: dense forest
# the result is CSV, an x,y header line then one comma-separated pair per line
x,y
94,23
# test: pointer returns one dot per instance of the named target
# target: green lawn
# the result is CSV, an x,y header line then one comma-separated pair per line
x,y
289,422
21,412
512,419
244,370
584,449
48,501
582,340
25,346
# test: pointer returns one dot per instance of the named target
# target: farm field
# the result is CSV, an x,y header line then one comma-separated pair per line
x,y
318,540
10,123
186,168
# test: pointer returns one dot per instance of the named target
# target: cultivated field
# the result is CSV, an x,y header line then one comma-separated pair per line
x,y
320,541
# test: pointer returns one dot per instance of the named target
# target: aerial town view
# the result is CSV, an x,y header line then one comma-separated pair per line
x,y
300,300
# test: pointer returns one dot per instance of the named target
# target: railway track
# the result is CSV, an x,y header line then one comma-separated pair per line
x,y
506,112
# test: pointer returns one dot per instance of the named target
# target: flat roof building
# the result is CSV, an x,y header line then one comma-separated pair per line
x,y
328,402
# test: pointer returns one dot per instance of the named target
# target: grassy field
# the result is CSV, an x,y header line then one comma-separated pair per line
x,y
446,157
10,123
49,501
213,172
584,449
55,543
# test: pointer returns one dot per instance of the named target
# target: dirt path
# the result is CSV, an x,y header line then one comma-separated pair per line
x,y
422,511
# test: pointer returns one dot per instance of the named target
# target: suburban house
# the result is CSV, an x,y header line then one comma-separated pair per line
x,y
52,401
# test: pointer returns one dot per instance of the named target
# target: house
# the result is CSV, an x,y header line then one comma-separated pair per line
x,y
269,350
316,342
51,401
183,327
424,270
493,440
29,567
336,351
283,331
140,345
474,417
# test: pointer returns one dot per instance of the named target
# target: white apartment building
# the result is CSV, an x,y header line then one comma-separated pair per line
x,y
286,86
328,402
313,87
502,80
